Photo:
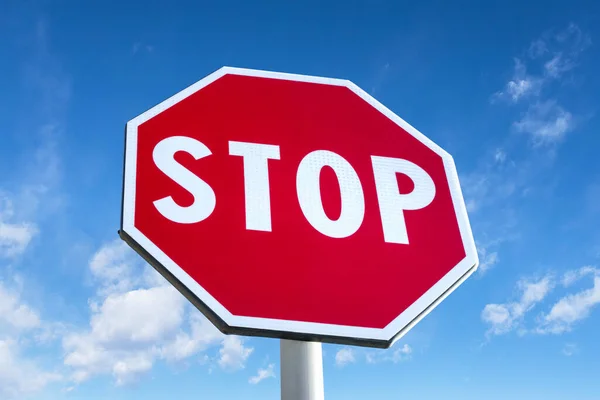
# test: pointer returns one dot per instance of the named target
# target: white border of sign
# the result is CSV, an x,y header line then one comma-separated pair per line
x,y
295,330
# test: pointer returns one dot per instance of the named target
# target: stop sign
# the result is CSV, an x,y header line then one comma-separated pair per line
x,y
295,207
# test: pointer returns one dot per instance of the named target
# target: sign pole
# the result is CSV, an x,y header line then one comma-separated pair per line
x,y
301,370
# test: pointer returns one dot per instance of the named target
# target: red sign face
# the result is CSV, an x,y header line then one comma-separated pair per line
x,y
297,207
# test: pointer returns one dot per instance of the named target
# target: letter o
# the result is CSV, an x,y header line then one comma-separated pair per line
x,y
309,194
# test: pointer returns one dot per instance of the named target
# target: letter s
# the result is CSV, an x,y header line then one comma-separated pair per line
x,y
204,196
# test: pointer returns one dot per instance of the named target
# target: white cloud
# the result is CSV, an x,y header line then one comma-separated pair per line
x,y
573,308
503,318
344,357
116,268
19,324
49,331
14,237
203,335
136,320
534,292
15,314
519,88
233,353
262,374
127,369
130,331
546,122
23,333
142,315
19,376
112,262
113,346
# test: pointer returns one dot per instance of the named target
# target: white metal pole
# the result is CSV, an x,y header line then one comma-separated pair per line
x,y
301,370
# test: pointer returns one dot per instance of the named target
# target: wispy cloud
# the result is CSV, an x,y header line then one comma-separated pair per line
x,y
505,317
573,39
564,314
492,182
141,46
546,122
544,119
563,48
262,374
572,308
395,355
558,65
520,86
573,276
487,259
570,349
500,155
490,193
506,174
537,48
344,356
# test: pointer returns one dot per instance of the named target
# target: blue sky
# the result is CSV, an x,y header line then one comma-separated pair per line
x,y
510,89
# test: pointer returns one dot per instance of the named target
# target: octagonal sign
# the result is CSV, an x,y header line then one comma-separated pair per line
x,y
295,207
